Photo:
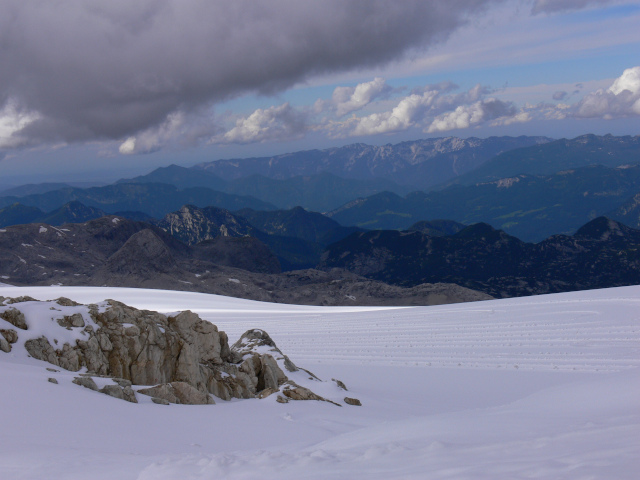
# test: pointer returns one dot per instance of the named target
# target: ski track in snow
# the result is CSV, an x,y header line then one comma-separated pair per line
x,y
538,387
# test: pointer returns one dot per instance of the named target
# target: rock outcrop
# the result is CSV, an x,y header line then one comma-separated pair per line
x,y
178,392
183,358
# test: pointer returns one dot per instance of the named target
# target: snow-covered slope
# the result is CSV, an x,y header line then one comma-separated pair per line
x,y
537,387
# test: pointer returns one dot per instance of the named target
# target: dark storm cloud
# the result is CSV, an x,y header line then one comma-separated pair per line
x,y
106,70
552,6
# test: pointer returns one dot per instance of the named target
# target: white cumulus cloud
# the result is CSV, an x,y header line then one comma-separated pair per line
x,y
621,99
350,99
465,116
274,123
410,109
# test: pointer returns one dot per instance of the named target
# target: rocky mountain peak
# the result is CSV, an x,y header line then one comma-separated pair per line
x,y
144,253
602,229
193,225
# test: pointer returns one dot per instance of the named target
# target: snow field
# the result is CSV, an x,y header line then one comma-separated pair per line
x,y
538,387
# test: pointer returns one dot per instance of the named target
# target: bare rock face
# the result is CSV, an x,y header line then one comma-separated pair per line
x,y
118,391
86,382
186,358
178,392
15,317
254,341
145,254
74,320
41,349
9,335
4,345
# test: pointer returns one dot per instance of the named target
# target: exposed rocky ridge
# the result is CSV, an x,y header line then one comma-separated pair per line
x,y
603,253
193,225
113,251
180,358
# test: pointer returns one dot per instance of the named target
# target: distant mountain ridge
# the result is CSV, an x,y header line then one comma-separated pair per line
x,y
602,253
420,164
153,199
558,155
603,178
531,207
72,212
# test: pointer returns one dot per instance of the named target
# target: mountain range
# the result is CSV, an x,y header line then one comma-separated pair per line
x,y
118,252
476,229
559,155
531,207
601,253
419,164
154,199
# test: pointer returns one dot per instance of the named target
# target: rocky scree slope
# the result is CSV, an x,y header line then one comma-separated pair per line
x,y
177,359
113,251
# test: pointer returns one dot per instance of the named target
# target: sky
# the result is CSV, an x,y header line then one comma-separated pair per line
x,y
93,91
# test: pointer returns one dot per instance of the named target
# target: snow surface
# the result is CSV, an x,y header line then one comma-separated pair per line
x,y
538,387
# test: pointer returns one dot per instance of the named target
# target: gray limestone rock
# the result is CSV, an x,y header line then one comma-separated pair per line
x,y
117,391
41,349
129,394
52,380
340,384
21,299
352,401
254,339
86,382
179,393
66,302
70,321
15,317
296,392
122,382
10,335
4,345
185,357
69,358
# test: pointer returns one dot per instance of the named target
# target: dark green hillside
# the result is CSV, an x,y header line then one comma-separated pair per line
x,y
320,193
152,199
297,222
180,177
550,158
527,206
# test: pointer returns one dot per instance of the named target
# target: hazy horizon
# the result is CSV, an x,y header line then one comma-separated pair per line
x,y
103,91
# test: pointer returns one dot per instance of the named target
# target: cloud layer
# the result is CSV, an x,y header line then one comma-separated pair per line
x,y
430,109
75,71
621,99
551,6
